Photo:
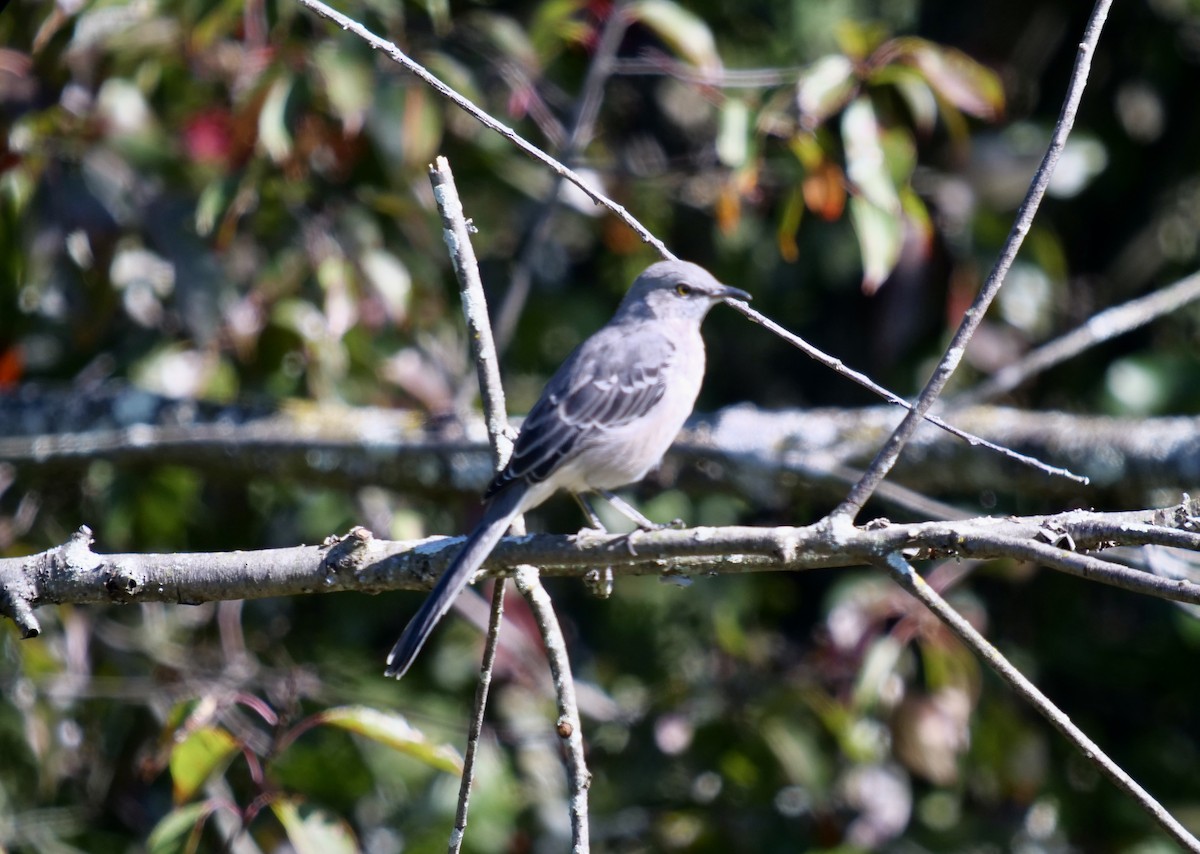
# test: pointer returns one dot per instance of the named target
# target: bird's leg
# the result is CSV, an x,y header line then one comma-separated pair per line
x,y
589,511
635,516
629,511
598,581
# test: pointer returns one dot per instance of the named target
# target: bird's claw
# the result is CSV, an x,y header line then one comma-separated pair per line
x,y
587,535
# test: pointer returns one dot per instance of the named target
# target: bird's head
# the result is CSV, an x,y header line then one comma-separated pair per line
x,y
675,289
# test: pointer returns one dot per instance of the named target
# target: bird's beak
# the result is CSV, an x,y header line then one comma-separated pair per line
x,y
726,292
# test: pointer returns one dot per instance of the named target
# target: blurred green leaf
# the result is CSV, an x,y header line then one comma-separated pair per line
x,y
914,89
349,83
875,208
508,36
824,88
880,236
312,830
405,123
866,161
960,80
178,832
394,731
557,23
197,758
733,136
684,31
390,279
273,134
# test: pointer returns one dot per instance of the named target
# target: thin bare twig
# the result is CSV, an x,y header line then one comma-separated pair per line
x,y
888,454
568,725
457,234
866,382
528,582
475,731
415,68
1101,327
910,580
462,255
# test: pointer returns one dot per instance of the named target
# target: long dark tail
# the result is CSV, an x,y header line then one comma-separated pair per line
x,y
496,519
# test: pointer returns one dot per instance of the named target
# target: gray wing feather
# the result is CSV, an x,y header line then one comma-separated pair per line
x,y
615,377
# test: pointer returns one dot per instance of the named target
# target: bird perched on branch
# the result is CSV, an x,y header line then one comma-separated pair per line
x,y
604,420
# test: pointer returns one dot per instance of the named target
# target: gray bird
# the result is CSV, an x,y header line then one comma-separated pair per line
x,y
604,420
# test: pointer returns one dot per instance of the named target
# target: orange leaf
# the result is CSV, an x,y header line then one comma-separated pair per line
x,y
825,191
11,367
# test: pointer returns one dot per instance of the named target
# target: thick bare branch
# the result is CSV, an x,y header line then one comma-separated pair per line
x,y
768,456
359,562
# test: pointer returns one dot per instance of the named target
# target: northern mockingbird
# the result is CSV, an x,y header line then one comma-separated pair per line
x,y
604,420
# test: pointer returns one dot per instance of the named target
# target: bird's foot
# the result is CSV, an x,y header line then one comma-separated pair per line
x,y
588,536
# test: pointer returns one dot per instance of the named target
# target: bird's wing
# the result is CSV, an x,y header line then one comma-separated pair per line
x,y
606,383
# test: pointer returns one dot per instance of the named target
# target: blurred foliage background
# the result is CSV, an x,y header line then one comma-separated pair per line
x,y
227,202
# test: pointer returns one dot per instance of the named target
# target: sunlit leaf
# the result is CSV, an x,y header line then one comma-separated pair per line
x,y
684,31
394,731
1082,159
390,279
824,88
405,123
439,14
866,163
314,831
273,135
808,150
349,84
915,91
856,39
211,206
728,207
558,23
880,236
195,759
963,82
508,37
733,135
178,832
879,664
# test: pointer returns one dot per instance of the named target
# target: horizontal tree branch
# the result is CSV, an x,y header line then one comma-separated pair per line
x,y
359,562
769,456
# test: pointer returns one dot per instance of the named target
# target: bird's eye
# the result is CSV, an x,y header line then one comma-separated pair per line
x,y
683,290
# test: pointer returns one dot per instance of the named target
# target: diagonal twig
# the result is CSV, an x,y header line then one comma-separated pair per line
x,y
908,578
415,68
890,452
866,382
1099,328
